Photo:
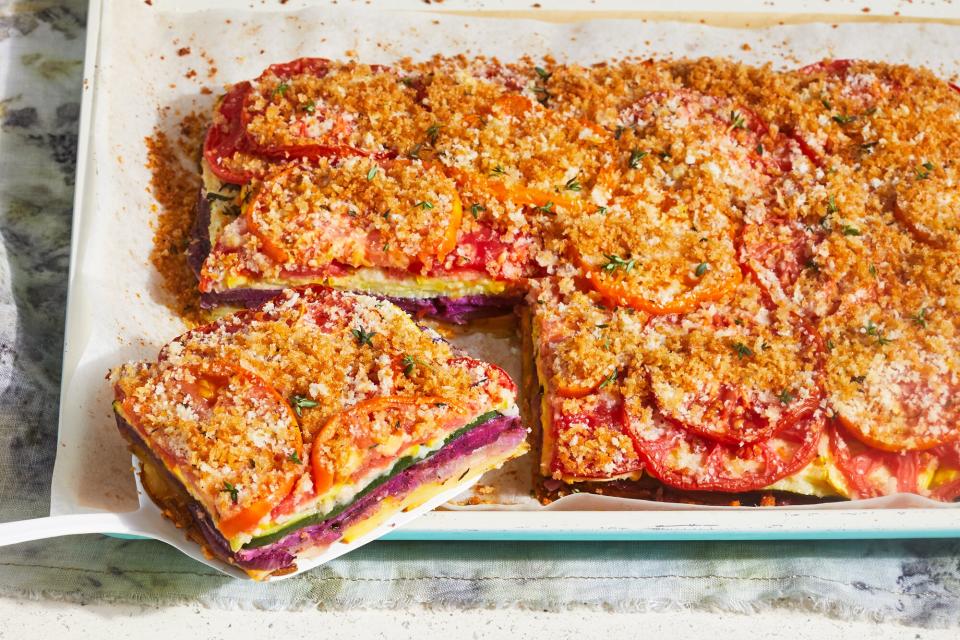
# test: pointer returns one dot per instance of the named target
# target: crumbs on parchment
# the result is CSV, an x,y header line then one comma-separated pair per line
x,y
174,181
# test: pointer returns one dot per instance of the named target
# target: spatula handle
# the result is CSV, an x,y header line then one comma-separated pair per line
x,y
56,526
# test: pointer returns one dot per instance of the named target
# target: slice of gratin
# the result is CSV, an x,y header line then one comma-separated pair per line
x,y
277,431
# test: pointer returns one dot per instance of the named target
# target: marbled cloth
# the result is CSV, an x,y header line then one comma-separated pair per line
x,y
41,50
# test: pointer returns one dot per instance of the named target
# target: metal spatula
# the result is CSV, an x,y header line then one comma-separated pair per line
x,y
148,522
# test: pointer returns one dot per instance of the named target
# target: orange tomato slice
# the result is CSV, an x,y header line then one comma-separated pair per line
x,y
356,429
449,241
617,290
273,250
249,517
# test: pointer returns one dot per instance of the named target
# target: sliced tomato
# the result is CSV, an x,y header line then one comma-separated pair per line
x,y
733,418
478,249
914,398
227,135
449,241
615,288
682,459
347,443
690,257
723,130
736,372
318,67
592,442
494,374
321,234
780,253
247,518
332,144
769,151
892,394
536,173
515,192
268,243
836,67
785,256
569,357
567,387
930,209
850,92
810,151
483,250
871,472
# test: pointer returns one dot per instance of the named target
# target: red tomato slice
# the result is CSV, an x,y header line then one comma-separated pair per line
x,y
227,134
765,150
331,144
735,419
593,443
891,395
494,374
871,472
736,372
483,250
784,255
837,66
682,459
327,231
318,67
849,91
769,152
477,249
781,254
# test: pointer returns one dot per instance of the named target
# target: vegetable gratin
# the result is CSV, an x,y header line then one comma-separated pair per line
x,y
735,285
275,432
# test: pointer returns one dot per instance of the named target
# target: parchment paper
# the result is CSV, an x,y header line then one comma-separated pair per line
x,y
115,311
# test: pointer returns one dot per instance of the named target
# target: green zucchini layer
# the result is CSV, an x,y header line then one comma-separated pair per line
x,y
401,465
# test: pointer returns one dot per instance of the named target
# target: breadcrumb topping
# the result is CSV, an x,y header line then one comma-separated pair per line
x,y
764,249
316,379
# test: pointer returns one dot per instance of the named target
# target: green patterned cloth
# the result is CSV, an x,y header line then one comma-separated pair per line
x,y
41,49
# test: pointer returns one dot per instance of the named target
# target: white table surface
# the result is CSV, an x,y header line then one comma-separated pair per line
x,y
19,621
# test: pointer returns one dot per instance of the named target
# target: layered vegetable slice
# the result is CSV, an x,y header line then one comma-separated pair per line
x,y
588,439
726,398
198,419
360,401
580,350
396,228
